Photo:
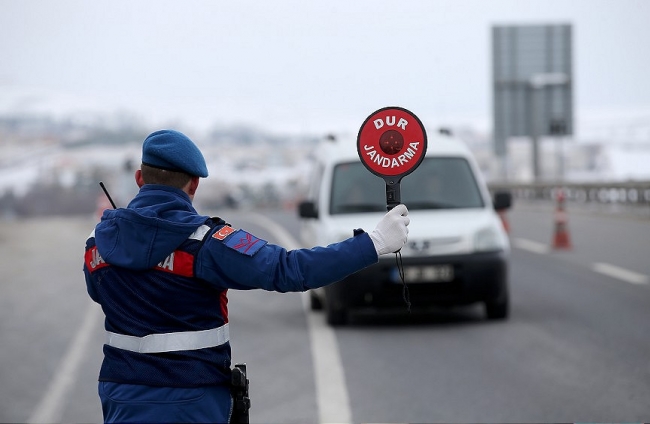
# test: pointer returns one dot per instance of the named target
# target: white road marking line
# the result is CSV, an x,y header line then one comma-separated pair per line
x,y
620,273
531,246
50,408
331,392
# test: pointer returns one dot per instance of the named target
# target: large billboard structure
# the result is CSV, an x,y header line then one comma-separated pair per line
x,y
533,84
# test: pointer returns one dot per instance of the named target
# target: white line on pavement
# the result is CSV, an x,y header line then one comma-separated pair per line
x,y
620,273
531,246
331,391
50,408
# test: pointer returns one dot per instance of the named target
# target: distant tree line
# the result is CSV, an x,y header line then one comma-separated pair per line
x,y
53,198
49,200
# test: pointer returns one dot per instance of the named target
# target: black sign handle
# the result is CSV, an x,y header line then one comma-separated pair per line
x,y
393,195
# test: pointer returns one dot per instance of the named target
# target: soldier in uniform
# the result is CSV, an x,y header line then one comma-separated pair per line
x,y
161,272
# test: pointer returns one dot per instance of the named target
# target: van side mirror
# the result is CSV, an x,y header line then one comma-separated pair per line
x,y
502,200
307,209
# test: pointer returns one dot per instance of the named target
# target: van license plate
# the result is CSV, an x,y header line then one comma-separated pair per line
x,y
425,274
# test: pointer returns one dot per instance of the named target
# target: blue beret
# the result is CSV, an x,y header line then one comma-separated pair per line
x,y
173,151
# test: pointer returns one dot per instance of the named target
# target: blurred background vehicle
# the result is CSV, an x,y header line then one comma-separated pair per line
x,y
457,251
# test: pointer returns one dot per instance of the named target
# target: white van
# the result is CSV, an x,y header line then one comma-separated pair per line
x,y
457,249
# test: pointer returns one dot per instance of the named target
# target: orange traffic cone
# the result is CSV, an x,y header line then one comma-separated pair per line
x,y
561,239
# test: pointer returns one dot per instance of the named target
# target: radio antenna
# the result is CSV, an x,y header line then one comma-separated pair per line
x,y
101,184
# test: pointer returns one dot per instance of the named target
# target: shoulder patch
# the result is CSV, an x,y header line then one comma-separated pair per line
x,y
223,232
244,242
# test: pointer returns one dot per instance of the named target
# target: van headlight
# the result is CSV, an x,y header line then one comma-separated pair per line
x,y
488,239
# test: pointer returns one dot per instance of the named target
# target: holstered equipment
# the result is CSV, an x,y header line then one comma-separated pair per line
x,y
241,401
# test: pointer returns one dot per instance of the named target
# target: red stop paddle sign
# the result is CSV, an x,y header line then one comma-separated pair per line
x,y
392,142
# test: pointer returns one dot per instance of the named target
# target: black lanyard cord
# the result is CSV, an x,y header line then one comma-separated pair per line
x,y
405,289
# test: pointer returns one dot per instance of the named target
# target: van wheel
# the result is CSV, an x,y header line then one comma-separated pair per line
x,y
336,316
497,309
314,302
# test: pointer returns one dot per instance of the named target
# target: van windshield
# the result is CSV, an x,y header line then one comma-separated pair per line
x,y
438,183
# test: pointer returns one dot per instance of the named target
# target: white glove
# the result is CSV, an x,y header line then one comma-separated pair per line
x,y
390,234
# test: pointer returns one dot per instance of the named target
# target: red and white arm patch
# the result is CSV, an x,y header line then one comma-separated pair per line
x,y
223,232
94,260
179,263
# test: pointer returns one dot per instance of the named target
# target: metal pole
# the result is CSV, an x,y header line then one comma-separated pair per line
x,y
534,133
560,158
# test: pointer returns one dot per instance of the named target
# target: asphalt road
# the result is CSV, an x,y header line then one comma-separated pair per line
x,y
575,349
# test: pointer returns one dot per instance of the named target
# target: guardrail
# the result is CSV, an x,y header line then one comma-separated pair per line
x,y
632,193
629,199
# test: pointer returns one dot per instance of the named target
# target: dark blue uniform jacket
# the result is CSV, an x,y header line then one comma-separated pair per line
x,y
153,272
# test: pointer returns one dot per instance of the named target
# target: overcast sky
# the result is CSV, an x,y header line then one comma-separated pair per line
x,y
303,65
